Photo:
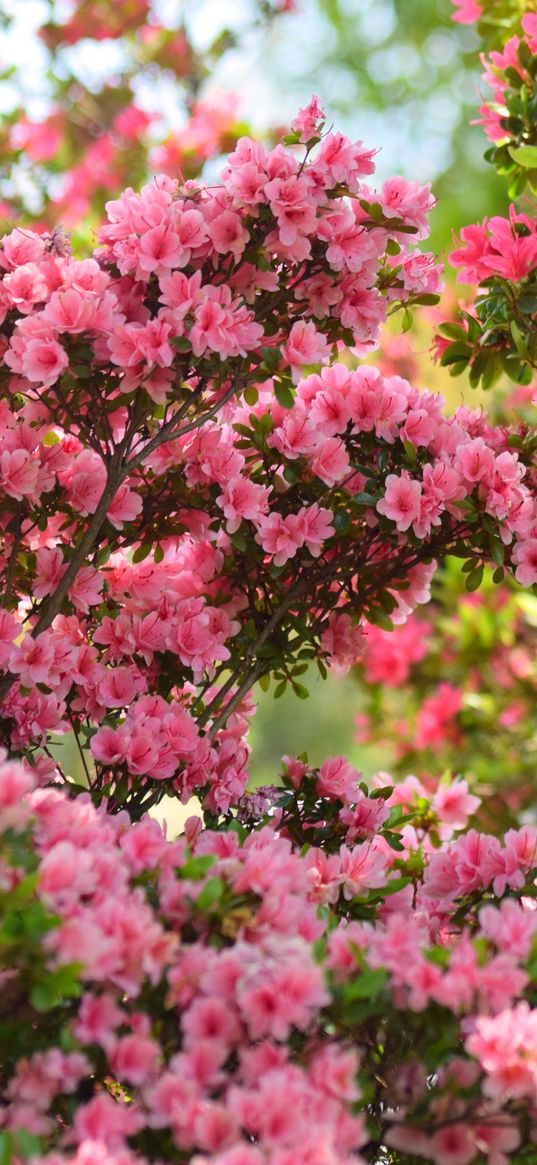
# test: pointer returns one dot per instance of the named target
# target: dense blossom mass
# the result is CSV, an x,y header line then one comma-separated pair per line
x,y
203,486
495,330
164,442
194,983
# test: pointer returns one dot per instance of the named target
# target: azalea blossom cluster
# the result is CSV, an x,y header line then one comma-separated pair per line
x,y
459,685
159,635
467,11
495,335
510,71
180,994
202,488
499,246
186,507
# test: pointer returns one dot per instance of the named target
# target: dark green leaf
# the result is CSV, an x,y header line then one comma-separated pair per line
x,y
210,895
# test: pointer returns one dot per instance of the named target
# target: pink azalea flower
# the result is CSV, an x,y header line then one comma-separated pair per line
x,y
309,121
468,11
401,501
305,345
44,360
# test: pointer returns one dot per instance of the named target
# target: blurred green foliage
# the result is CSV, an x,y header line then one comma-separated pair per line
x,y
323,725
402,74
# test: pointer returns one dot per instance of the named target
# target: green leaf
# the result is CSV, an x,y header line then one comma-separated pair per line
x,y
238,540
428,299
367,985
478,368
42,999
26,1144
410,450
251,395
374,210
291,474
455,352
491,374
438,955
394,886
393,840
341,521
283,395
387,601
196,867
474,578
527,304
514,78
525,156
37,921
364,499
379,618
497,549
122,788
454,332
271,358
210,895
142,552
24,890
61,983
519,338
6,1147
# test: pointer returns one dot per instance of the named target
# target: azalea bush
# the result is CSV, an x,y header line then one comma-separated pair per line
x,y
179,995
493,334
204,488
163,450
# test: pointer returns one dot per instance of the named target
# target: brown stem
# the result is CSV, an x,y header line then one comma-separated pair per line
x,y
252,651
169,432
81,752
248,682
256,671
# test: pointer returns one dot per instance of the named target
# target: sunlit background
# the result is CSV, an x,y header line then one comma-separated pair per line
x,y
397,73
